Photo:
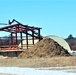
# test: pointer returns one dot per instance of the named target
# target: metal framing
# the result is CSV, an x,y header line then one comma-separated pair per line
x,y
22,29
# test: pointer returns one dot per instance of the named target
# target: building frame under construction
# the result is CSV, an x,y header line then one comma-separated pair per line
x,y
20,28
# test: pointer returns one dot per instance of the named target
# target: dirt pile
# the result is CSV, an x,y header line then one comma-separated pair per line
x,y
45,48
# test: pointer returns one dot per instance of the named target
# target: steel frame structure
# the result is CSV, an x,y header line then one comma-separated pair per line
x,y
20,28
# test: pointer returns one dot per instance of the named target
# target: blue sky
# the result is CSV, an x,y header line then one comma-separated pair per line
x,y
55,17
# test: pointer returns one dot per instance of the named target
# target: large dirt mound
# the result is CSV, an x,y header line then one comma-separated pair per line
x,y
45,48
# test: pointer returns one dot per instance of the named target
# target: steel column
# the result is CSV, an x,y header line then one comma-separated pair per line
x,y
26,39
11,39
21,39
33,37
16,39
39,34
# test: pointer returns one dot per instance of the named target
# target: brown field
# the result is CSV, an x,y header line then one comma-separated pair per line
x,y
37,62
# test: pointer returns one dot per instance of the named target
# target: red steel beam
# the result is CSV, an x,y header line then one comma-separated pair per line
x,y
21,39
8,27
16,39
39,34
27,39
11,39
33,37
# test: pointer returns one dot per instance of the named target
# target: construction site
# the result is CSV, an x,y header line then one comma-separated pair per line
x,y
37,37
26,47
18,32
26,41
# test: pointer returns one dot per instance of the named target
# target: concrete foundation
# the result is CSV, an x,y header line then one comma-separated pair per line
x,y
10,53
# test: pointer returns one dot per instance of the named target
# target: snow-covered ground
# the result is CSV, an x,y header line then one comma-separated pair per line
x,y
35,71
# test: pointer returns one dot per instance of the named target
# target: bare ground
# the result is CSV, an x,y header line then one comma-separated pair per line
x,y
6,74
38,62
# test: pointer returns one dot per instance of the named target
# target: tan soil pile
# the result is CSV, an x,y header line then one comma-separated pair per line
x,y
45,48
